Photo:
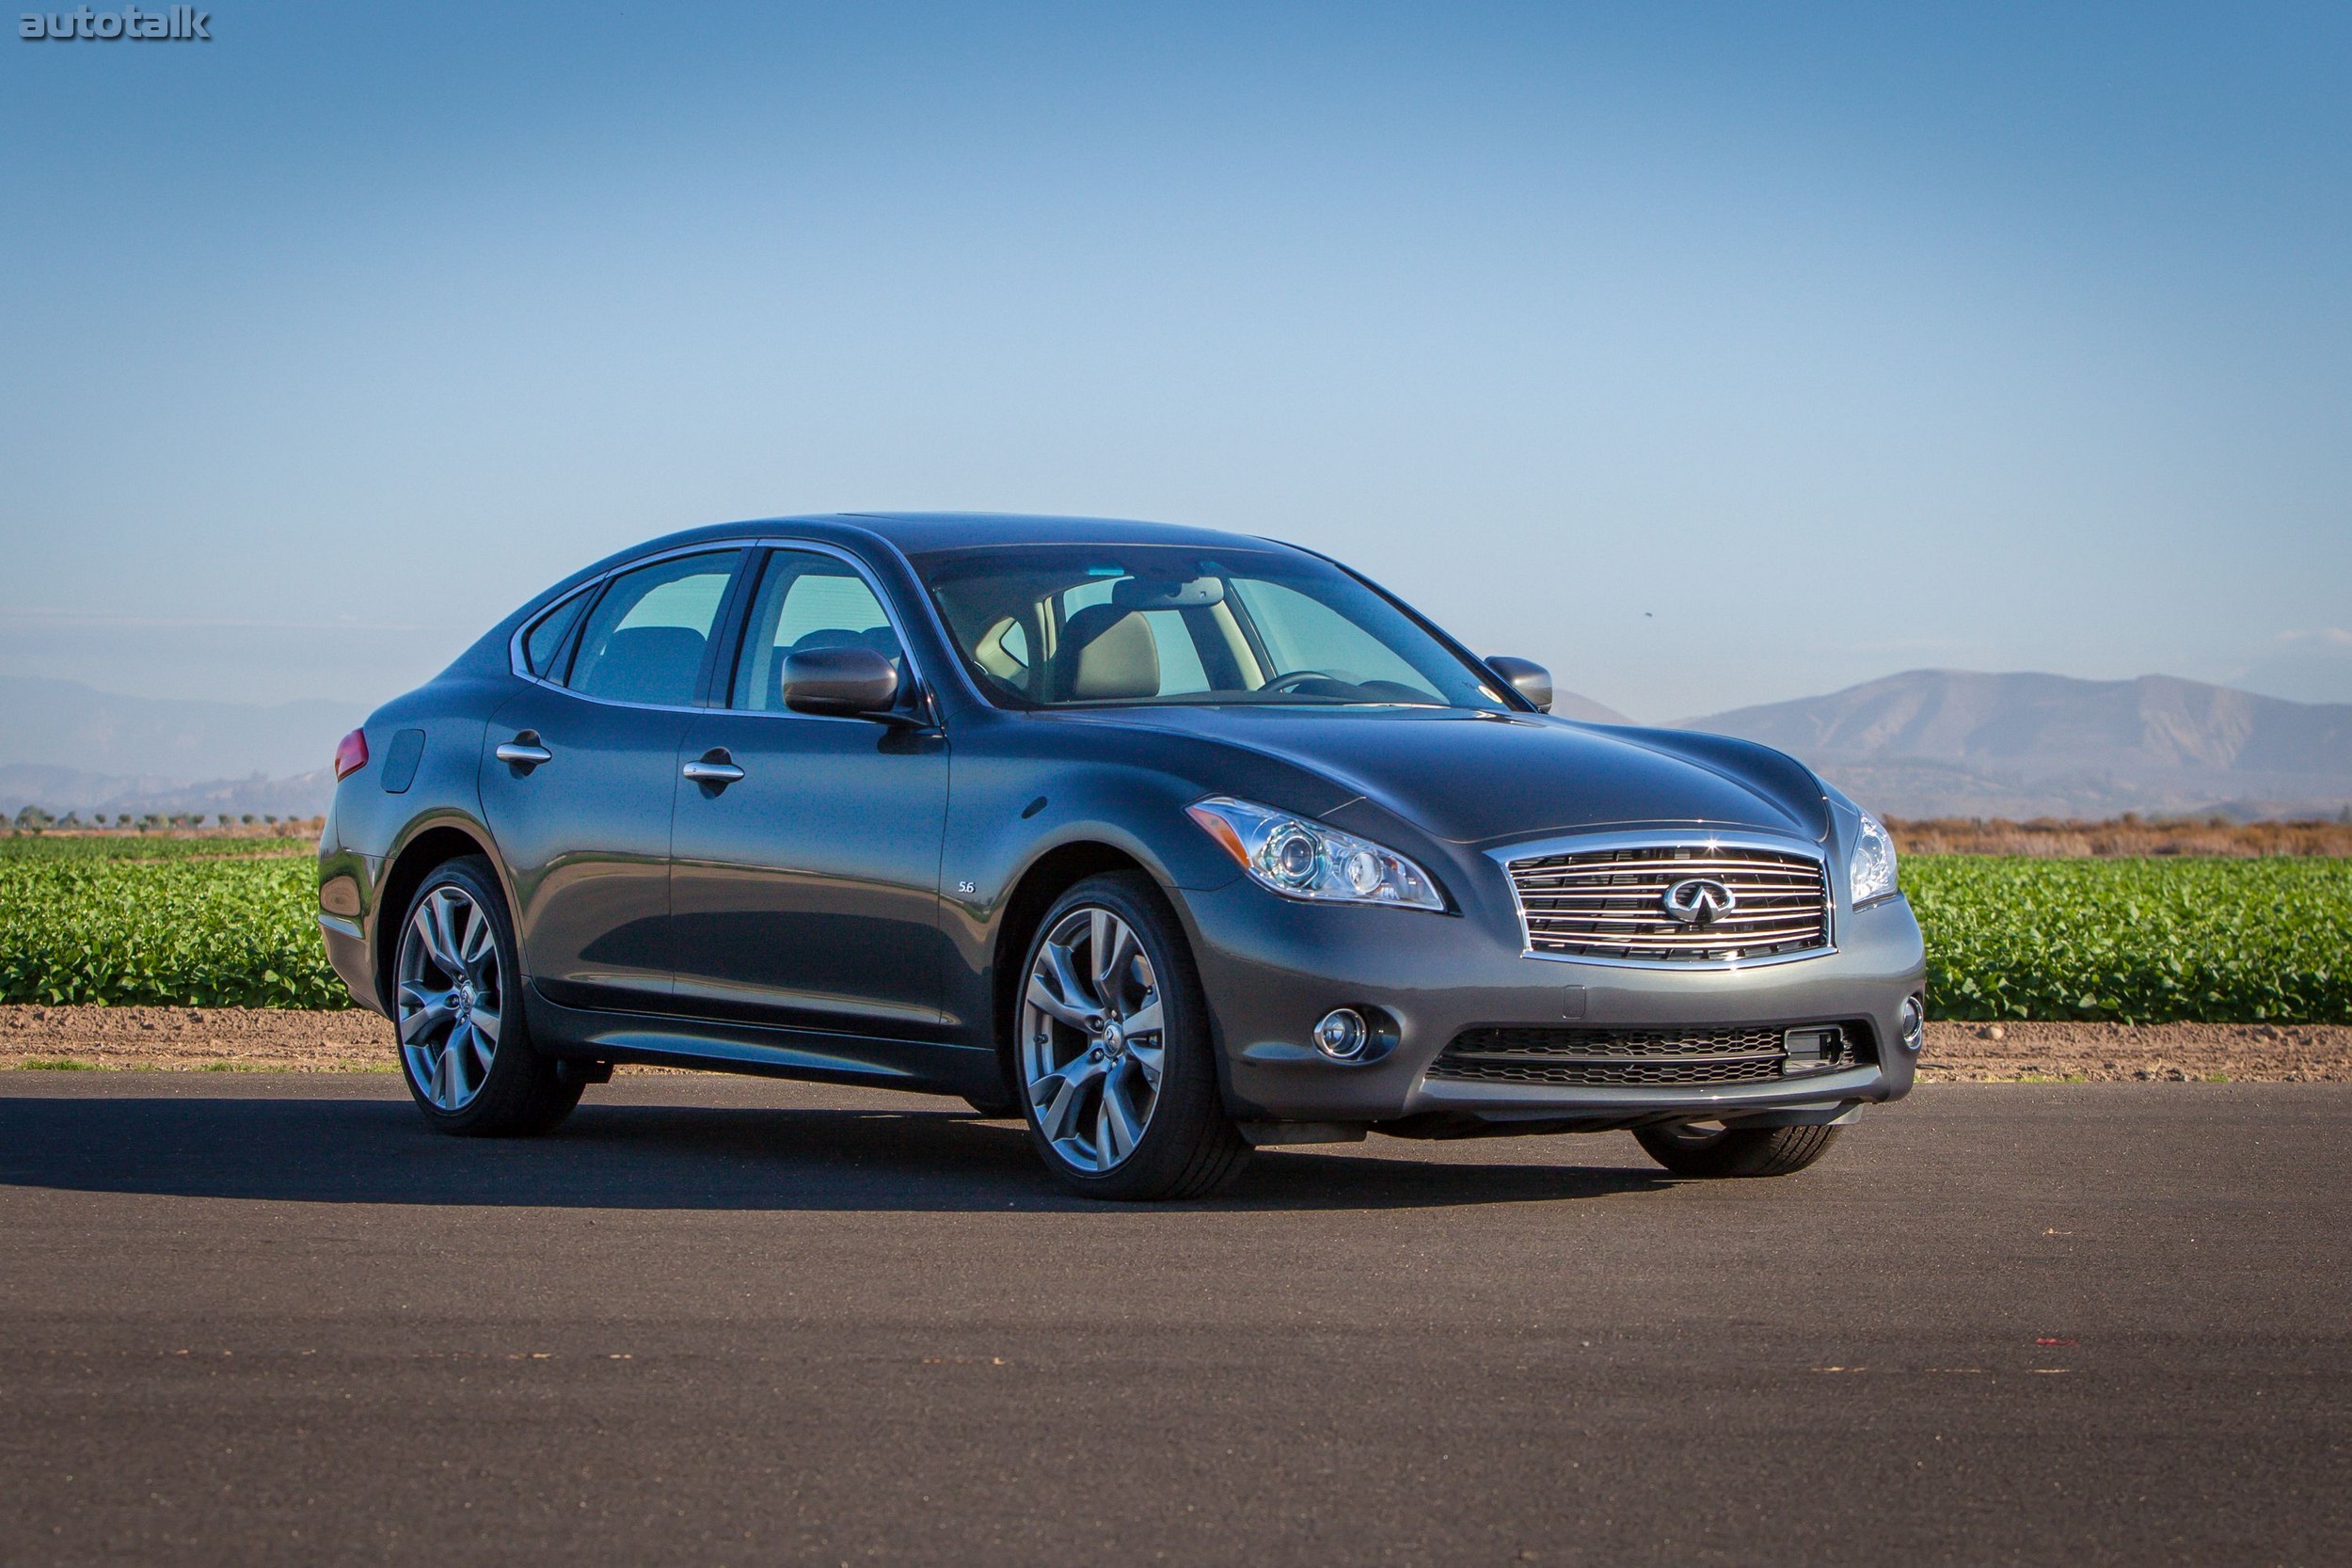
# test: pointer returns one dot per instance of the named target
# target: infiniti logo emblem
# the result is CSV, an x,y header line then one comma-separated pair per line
x,y
1697,902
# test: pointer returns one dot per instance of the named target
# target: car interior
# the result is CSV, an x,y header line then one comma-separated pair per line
x,y
1154,629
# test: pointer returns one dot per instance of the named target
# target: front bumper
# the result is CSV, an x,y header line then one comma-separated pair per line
x,y
1272,966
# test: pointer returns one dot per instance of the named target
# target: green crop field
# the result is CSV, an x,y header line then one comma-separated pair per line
x,y
2140,941
2143,940
53,846
141,929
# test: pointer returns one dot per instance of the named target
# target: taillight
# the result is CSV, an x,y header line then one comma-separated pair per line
x,y
351,753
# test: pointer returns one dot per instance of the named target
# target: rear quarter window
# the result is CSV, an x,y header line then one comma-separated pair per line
x,y
542,644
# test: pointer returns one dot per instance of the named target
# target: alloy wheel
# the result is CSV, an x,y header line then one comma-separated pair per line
x,y
450,998
1092,1039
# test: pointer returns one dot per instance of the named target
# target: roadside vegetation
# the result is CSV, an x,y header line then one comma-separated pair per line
x,y
33,820
208,847
237,932
2143,941
226,919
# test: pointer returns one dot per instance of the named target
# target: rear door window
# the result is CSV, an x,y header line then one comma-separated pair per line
x,y
645,640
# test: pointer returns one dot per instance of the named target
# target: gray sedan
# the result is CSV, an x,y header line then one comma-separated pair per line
x,y
1172,843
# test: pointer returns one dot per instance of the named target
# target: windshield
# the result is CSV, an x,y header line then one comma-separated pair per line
x,y
1053,625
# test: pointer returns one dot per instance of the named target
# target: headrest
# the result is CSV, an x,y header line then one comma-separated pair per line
x,y
1107,651
648,664
880,639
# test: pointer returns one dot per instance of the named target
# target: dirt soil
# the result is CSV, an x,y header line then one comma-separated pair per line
x,y
2049,838
214,1040
228,1039
2107,1053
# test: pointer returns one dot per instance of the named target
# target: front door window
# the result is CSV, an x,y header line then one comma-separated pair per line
x,y
807,601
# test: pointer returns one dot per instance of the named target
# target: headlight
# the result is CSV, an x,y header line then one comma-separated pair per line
x,y
1305,859
1872,872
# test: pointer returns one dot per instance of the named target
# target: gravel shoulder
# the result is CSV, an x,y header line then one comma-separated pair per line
x,y
2127,1053
223,1039
195,1039
202,1039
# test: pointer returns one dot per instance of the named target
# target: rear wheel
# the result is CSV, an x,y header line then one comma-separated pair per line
x,y
1706,1149
1119,1079
464,1047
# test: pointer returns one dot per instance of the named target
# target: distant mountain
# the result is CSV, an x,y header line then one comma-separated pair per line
x,y
67,725
1567,705
2303,667
69,747
1925,743
1948,743
58,790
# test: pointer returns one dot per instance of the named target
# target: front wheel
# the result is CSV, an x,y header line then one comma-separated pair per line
x,y
1118,1075
464,1047
1690,1148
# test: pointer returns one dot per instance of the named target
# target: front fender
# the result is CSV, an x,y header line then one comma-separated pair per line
x,y
1004,824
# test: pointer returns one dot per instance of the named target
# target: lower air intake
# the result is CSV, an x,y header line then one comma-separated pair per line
x,y
1578,1056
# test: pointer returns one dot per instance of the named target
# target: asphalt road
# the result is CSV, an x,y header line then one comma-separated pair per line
x,y
251,1319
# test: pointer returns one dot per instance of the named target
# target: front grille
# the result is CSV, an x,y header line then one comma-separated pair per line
x,y
1612,904
1572,1056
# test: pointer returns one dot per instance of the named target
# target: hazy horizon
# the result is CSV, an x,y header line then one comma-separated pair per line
x,y
1714,359
1922,744
355,709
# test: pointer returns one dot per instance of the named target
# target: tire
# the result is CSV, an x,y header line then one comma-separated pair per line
x,y
1728,1151
1085,1059
456,965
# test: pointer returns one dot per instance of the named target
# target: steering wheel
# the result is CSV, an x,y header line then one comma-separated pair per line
x,y
1297,679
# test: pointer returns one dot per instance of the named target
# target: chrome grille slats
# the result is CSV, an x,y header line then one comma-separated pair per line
x,y
1634,860
1608,904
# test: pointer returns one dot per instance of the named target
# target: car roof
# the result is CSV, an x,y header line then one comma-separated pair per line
x,y
916,532
912,533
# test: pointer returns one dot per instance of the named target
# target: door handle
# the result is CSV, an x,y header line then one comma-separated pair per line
x,y
714,769
524,751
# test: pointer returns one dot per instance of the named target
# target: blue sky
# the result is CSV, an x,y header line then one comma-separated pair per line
x,y
1710,354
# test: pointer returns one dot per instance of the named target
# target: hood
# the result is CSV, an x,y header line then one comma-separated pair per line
x,y
1474,777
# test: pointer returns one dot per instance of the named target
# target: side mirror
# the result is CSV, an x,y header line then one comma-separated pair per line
x,y
855,683
1528,678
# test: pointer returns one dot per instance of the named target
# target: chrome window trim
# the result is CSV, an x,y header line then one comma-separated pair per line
x,y
1586,844
520,667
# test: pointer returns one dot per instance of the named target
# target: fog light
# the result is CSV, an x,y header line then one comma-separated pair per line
x,y
1911,1024
1342,1035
